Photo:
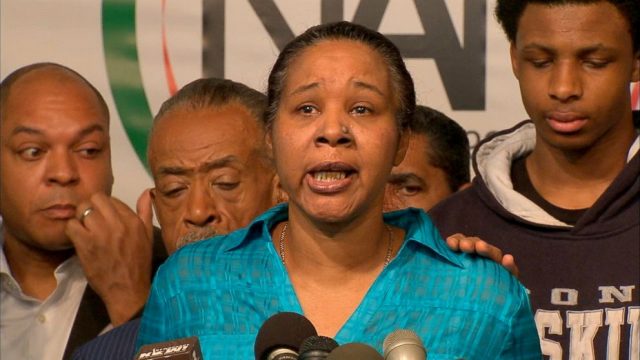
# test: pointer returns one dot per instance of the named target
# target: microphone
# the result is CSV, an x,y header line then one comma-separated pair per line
x,y
354,351
180,349
403,345
280,336
316,348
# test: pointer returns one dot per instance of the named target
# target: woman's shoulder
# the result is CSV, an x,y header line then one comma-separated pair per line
x,y
202,257
490,287
470,280
236,243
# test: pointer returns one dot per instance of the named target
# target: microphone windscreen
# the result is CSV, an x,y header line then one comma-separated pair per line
x,y
180,349
354,351
285,330
403,344
316,347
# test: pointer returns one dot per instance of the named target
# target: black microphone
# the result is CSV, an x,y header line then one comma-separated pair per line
x,y
316,348
280,336
403,345
354,351
180,349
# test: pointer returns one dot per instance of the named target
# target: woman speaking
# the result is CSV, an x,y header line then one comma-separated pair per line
x,y
340,101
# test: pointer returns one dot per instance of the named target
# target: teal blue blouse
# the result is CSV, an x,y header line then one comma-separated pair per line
x,y
223,289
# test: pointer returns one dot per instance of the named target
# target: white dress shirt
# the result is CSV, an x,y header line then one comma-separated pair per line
x,y
31,329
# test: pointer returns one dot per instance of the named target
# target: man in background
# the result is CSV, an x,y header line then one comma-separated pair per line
x,y
561,191
209,161
74,259
436,164
212,175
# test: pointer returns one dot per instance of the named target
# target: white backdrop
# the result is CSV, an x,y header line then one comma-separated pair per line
x,y
163,43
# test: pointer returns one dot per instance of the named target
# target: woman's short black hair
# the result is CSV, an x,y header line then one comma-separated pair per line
x,y
400,77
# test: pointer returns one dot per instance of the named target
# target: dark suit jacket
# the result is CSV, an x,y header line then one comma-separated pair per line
x,y
92,316
91,319
117,344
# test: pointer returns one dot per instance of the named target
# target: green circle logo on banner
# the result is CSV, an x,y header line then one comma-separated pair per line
x,y
123,71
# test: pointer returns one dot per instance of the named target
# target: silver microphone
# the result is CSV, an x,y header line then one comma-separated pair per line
x,y
403,345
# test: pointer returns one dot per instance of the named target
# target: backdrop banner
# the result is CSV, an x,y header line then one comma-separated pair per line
x,y
138,53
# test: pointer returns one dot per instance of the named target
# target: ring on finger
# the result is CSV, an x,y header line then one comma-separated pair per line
x,y
85,213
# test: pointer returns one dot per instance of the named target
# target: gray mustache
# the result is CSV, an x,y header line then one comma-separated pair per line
x,y
196,235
